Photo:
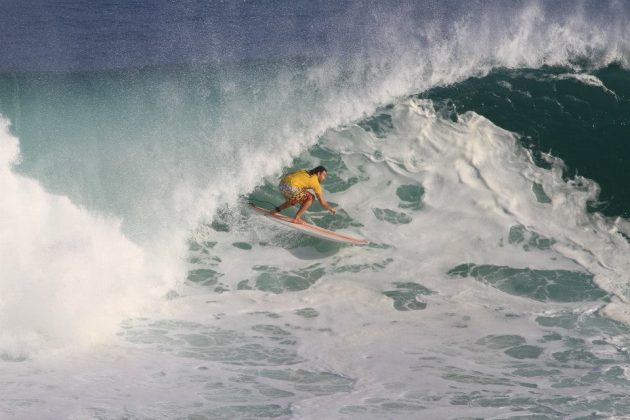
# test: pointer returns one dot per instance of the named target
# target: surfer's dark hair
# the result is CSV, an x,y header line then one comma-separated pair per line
x,y
317,170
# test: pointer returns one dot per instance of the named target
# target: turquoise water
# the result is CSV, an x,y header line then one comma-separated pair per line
x,y
581,118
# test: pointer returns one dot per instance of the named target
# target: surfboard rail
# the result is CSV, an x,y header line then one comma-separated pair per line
x,y
309,229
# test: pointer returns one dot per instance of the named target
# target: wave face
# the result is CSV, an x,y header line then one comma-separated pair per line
x,y
578,116
480,149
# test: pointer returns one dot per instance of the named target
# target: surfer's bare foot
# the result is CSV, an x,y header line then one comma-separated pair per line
x,y
298,221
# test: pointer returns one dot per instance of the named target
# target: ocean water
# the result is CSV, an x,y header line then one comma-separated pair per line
x,y
481,147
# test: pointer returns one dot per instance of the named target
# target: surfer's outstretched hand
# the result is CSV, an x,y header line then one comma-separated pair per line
x,y
333,211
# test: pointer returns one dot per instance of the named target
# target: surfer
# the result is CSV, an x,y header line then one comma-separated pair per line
x,y
294,187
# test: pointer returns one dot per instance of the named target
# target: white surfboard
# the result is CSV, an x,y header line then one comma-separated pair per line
x,y
309,229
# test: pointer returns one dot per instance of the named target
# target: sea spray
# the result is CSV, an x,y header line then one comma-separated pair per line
x,y
481,292
160,146
68,276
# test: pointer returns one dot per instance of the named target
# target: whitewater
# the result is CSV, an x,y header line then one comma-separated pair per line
x,y
480,149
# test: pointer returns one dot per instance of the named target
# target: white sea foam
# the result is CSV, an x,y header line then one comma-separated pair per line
x,y
68,277
161,174
351,352
396,61
587,79
71,276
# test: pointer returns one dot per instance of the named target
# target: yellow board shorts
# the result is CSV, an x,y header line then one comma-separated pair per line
x,y
293,195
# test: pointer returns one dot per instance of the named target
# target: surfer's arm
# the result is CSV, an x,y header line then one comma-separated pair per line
x,y
325,204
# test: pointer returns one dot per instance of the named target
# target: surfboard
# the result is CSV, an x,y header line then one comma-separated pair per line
x,y
309,229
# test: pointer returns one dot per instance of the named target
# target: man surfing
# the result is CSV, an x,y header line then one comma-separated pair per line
x,y
294,187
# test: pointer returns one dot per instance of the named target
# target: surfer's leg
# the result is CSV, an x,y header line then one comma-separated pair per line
x,y
290,196
305,206
281,207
